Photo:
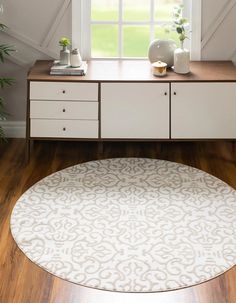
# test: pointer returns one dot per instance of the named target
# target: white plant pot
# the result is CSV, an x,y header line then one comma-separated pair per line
x,y
181,61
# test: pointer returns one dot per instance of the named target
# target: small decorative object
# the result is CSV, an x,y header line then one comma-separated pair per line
x,y
65,52
75,58
181,55
159,68
162,50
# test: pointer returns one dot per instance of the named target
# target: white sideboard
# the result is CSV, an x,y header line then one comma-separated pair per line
x,y
122,100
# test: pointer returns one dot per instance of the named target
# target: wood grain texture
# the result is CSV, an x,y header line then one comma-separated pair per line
x,y
23,282
137,70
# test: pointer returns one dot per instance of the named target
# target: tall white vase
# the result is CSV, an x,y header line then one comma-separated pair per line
x,y
181,60
65,56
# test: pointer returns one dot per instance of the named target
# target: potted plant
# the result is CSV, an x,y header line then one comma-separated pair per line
x,y
5,50
181,55
65,52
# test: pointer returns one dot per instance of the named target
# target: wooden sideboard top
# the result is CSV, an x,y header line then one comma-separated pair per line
x,y
137,70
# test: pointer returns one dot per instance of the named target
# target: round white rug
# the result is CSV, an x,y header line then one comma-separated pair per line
x,y
129,225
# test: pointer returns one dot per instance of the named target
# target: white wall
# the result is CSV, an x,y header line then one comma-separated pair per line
x,y
36,26
218,30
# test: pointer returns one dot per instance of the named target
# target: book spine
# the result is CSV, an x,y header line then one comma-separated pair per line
x,y
67,74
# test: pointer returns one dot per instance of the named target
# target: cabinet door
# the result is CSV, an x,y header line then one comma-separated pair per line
x,y
135,110
203,110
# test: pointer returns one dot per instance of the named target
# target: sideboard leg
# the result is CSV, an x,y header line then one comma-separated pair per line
x,y
27,151
29,145
100,149
233,147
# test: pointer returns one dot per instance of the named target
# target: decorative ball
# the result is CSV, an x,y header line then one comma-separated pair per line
x,y
162,50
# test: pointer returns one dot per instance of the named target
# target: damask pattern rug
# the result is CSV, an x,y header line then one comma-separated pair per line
x,y
129,225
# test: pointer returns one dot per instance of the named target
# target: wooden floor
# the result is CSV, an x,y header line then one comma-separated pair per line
x,y
23,282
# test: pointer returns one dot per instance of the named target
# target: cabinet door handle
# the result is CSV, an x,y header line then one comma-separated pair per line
x,y
175,93
165,93
64,129
64,110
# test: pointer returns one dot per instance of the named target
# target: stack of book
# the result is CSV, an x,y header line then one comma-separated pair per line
x,y
67,70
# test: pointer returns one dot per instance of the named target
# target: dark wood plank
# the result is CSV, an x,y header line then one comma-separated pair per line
x,y
138,70
23,282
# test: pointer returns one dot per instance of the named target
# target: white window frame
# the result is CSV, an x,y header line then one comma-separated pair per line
x,y
81,11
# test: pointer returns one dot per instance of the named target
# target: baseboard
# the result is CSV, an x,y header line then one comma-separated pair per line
x,y
14,129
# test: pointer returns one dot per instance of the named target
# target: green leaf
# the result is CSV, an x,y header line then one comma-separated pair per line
x,y
6,81
3,114
182,37
5,50
183,21
3,27
177,22
2,135
179,30
64,41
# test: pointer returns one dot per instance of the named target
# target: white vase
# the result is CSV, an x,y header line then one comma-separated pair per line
x,y
162,50
65,56
181,60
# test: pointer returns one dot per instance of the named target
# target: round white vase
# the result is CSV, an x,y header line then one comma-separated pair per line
x,y
181,60
162,50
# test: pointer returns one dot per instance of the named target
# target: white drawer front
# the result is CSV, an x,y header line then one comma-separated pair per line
x,y
63,91
64,110
64,128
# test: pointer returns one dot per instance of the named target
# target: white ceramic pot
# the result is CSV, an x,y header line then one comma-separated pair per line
x,y
75,58
181,61
162,50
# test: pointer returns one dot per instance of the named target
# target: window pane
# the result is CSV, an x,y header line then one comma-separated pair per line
x,y
104,10
136,10
136,41
161,34
104,40
164,9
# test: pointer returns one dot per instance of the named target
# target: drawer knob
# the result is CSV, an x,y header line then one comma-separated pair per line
x,y
63,91
64,129
64,110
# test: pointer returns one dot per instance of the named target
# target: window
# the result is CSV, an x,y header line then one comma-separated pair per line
x,y
124,28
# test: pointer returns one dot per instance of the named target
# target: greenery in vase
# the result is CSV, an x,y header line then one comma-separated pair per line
x,y
64,41
180,24
5,51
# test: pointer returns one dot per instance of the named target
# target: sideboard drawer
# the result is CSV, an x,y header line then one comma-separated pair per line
x,y
64,128
63,91
64,110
